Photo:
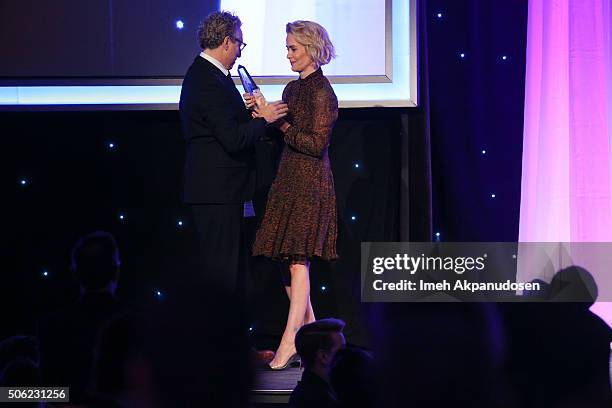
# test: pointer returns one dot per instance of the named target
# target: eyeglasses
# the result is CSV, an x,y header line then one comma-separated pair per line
x,y
242,44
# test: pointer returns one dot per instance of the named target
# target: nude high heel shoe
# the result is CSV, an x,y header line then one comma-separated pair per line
x,y
292,361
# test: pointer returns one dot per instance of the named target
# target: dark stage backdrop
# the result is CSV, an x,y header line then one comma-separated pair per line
x,y
62,179
74,183
99,38
476,104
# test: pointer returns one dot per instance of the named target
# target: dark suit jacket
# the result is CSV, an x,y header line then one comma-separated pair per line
x,y
312,392
220,136
68,337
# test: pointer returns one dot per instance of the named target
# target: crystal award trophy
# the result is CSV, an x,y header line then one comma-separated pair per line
x,y
250,86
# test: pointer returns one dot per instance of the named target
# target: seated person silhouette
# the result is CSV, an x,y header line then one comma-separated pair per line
x,y
353,378
21,372
317,343
67,337
559,351
181,352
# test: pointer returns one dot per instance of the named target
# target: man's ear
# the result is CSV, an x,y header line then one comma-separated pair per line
x,y
225,43
324,356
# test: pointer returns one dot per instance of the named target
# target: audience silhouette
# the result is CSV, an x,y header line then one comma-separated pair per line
x,y
317,343
353,378
19,357
559,351
190,350
439,354
187,351
67,336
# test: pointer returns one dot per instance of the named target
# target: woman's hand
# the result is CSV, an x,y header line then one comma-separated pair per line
x,y
271,112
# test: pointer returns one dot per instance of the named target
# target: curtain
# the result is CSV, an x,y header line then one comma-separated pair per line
x,y
566,191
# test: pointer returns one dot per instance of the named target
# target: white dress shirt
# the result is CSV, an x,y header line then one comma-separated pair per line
x,y
215,62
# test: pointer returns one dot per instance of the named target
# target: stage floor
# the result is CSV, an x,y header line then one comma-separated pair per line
x,y
274,387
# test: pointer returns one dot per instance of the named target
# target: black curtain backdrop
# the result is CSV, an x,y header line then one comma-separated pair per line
x,y
415,173
476,104
77,184
99,38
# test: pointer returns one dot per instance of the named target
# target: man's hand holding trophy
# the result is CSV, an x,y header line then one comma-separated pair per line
x,y
256,102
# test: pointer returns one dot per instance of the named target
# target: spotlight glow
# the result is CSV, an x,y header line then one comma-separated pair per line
x,y
179,24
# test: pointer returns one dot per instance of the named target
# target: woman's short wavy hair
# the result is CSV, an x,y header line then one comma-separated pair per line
x,y
315,38
215,27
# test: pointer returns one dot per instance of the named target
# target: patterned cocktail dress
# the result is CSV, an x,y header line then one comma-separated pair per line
x,y
300,217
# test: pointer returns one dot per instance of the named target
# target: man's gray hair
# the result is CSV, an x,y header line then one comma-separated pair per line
x,y
215,27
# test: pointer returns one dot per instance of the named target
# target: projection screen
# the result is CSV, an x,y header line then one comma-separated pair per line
x,y
138,62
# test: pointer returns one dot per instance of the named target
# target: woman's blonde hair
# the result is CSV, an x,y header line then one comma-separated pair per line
x,y
315,38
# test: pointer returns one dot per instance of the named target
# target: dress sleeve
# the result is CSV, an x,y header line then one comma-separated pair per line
x,y
315,139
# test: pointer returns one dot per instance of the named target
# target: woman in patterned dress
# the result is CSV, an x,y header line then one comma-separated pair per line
x,y
299,223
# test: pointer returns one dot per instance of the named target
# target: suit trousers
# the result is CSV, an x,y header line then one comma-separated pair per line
x,y
224,251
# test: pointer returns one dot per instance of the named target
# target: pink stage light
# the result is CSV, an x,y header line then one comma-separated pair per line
x,y
566,192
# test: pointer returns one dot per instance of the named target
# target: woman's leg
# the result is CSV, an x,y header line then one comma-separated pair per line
x,y
309,317
298,305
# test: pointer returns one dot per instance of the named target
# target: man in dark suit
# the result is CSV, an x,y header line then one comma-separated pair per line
x,y
317,344
220,158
